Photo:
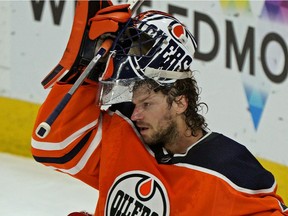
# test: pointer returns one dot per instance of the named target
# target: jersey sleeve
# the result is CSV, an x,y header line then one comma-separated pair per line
x,y
74,140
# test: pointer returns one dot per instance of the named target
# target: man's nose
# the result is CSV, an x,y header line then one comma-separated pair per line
x,y
137,114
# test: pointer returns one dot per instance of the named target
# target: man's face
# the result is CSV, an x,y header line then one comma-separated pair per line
x,y
153,116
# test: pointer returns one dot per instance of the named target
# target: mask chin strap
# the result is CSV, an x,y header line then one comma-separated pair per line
x,y
157,74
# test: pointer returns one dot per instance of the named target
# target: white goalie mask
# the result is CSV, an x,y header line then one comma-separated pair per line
x,y
153,45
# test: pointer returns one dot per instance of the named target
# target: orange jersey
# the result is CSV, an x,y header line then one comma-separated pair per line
x,y
217,176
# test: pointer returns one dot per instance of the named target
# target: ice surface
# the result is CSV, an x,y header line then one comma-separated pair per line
x,y
31,189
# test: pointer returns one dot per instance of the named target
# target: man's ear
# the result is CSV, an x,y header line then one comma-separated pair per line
x,y
180,104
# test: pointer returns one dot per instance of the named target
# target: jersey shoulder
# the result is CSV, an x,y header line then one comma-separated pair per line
x,y
231,159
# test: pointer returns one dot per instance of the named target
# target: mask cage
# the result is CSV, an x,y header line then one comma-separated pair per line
x,y
139,42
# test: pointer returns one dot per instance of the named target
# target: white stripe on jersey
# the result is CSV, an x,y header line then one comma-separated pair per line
x,y
84,159
50,146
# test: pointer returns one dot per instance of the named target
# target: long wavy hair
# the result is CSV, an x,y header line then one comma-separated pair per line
x,y
183,87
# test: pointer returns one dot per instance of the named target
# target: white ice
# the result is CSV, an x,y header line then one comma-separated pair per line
x,y
30,189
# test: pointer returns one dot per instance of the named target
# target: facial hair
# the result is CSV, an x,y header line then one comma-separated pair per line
x,y
166,134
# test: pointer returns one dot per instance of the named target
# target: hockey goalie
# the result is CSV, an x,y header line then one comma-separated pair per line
x,y
124,116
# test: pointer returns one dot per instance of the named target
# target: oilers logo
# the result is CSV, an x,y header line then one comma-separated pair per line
x,y
137,193
178,32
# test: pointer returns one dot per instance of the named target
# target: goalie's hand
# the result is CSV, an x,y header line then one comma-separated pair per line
x,y
107,20
105,24
92,19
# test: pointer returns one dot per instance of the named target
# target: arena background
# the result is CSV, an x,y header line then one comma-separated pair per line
x,y
241,67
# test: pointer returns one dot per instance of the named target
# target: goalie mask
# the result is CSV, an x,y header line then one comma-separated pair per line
x,y
153,45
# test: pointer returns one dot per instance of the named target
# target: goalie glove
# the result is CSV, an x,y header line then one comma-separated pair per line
x,y
92,20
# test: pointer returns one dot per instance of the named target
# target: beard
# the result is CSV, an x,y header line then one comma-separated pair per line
x,y
165,135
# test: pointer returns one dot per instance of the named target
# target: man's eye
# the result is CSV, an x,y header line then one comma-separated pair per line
x,y
146,104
